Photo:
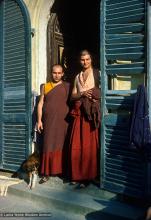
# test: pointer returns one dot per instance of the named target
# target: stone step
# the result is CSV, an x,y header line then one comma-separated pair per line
x,y
103,206
15,207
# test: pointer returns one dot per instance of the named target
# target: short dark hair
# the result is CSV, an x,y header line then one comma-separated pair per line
x,y
85,52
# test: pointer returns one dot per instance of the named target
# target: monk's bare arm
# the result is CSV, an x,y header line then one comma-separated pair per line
x,y
75,95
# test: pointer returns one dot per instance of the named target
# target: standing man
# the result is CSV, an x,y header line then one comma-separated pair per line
x,y
52,112
84,141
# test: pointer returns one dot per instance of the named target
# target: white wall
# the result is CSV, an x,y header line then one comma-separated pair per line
x,y
39,11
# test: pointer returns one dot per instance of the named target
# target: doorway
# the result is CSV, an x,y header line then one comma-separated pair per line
x,y
73,26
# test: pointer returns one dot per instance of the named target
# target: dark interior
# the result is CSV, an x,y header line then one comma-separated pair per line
x,y
80,25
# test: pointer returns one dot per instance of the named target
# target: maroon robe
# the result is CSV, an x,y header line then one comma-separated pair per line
x,y
84,144
55,110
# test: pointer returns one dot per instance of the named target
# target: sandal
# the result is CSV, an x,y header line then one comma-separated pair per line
x,y
82,186
73,183
44,179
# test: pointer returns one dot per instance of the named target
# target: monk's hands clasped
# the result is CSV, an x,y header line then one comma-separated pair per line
x,y
87,94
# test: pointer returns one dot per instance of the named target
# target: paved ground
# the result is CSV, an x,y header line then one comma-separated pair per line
x,y
57,200
13,208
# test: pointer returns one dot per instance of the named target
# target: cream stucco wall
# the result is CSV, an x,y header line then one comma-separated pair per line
x,y
39,11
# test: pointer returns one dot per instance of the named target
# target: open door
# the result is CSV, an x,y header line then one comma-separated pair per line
x,y
15,84
123,66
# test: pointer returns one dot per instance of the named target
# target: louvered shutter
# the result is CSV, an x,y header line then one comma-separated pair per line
x,y
15,88
123,46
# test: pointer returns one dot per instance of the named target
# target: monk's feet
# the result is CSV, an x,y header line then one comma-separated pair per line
x,y
44,179
73,183
82,185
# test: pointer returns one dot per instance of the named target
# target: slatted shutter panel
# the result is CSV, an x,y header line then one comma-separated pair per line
x,y
123,55
15,89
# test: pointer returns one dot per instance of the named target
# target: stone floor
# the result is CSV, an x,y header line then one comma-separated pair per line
x,y
70,202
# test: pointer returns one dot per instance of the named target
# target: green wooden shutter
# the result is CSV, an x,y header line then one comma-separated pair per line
x,y
15,84
123,38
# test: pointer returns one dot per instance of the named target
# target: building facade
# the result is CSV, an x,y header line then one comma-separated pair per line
x,y
36,34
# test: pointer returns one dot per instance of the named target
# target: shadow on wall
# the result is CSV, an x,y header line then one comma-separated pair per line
x,y
37,138
125,167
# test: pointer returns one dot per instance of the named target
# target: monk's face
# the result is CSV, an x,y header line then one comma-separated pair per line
x,y
85,61
57,74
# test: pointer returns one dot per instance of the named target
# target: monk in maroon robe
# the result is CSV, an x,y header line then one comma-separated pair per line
x,y
52,112
84,141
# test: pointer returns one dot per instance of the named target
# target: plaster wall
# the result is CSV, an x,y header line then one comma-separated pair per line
x,y
39,11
